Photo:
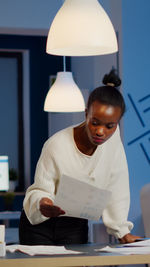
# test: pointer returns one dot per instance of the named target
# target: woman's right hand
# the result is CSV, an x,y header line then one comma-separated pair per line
x,y
48,209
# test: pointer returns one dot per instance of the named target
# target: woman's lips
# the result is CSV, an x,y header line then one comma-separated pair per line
x,y
98,140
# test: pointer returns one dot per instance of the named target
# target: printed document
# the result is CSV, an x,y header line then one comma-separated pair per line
x,y
40,250
80,199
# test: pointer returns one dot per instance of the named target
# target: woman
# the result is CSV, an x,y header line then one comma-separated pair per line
x,y
91,149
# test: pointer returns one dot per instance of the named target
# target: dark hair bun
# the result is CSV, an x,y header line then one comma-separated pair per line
x,y
112,79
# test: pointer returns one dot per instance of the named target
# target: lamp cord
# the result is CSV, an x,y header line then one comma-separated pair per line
x,y
64,63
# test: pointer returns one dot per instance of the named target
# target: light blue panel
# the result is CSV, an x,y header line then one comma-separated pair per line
x,y
9,110
136,73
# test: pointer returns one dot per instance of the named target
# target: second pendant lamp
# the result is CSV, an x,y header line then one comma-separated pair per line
x,y
64,95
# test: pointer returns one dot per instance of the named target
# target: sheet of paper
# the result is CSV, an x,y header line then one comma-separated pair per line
x,y
40,250
79,199
126,250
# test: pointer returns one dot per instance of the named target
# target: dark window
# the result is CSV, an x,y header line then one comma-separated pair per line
x,y
11,111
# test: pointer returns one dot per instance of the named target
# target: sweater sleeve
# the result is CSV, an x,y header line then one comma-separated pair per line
x,y
46,176
116,214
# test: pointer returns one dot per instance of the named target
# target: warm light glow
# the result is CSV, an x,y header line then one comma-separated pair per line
x,y
64,95
81,28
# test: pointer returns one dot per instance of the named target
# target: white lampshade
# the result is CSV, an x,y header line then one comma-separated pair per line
x,y
64,95
81,28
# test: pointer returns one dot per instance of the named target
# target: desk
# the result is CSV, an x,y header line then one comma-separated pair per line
x,y
88,258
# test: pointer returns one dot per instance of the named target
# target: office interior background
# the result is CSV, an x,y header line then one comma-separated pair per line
x,y
25,126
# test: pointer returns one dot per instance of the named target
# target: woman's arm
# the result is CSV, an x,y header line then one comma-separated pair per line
x,y
116,214
40,195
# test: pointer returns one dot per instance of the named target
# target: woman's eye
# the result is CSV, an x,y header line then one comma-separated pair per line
x,y
94,123
109,126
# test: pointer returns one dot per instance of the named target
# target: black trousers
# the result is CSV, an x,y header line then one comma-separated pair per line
x,y
61,230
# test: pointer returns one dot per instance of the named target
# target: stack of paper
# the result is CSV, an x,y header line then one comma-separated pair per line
x,y
2,241
40,250
140,247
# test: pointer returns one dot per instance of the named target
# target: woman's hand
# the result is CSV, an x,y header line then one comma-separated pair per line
x,y
48,209
128,238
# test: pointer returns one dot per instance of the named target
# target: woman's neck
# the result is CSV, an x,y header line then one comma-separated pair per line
x,y
82,141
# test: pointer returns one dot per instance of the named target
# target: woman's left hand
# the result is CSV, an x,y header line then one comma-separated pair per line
x,y
128,238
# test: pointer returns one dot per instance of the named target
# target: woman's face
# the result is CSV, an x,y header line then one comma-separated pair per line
x,y
101,122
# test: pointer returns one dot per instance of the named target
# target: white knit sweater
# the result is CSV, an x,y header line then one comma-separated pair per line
x,y
106,169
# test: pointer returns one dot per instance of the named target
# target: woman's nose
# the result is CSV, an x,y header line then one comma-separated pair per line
x,y
100,131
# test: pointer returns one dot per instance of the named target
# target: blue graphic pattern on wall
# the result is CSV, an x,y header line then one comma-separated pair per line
x,y
140,112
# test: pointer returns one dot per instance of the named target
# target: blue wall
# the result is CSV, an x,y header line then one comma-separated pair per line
x,y
136,86
34,16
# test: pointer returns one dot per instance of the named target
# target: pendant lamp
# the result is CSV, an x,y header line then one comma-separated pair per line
x,y
81,28
64,95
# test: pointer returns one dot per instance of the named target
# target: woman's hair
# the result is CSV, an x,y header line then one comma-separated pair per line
x,y
108,94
